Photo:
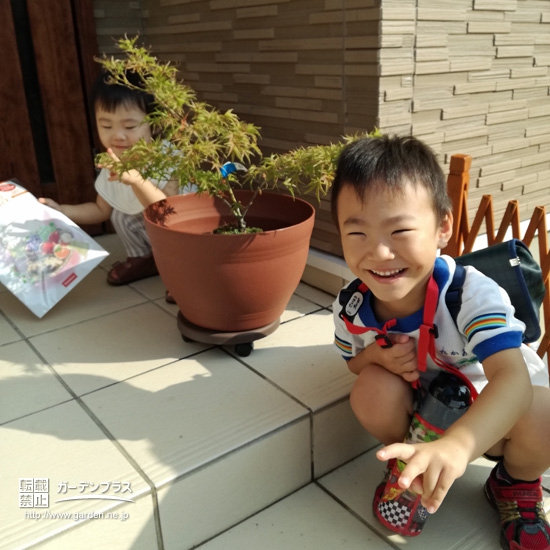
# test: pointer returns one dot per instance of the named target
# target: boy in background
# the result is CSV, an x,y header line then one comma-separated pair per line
x,y
120,117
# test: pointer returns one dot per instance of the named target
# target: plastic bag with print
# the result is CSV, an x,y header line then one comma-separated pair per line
x,y
43,254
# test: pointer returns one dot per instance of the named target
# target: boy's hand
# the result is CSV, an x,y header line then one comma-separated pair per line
x,y
130,177
431,467
51,203
400,358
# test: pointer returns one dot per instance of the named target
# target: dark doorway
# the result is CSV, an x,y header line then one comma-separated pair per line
x,y
47,65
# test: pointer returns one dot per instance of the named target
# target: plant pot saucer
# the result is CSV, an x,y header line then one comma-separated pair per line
x,y
243,341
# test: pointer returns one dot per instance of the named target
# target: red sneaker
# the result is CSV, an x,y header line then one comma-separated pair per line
x,y
397,509
520,505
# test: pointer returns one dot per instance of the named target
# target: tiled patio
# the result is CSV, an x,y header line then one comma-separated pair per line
x,y
103,398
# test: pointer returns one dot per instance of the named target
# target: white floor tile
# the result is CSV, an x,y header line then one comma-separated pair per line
x,y
306,520
26,384
465,519
7,332
298,307
337,438
104,350
299,357
221,436
65,446
236,487
152,288
91,298
172,309
315,295
182,416
128,527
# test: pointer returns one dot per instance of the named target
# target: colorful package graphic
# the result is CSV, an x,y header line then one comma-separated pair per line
x,y
43,254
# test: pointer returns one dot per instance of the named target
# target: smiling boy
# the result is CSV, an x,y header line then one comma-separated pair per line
x,y
393,213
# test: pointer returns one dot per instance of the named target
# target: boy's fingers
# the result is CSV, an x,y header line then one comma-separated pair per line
x,y
432,500
402,451
112,154
399,338
411,376
409,474
404,342
416,485
434,486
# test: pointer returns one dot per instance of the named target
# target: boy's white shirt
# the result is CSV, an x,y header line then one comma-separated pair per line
x,y
479,292
120,196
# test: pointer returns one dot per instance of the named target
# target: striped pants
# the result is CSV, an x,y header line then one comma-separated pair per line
x,y
131,230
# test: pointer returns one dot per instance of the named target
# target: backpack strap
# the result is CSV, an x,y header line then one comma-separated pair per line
x,y
429,332
351,299
453,297
428,329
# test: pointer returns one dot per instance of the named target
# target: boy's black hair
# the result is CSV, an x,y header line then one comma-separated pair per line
x,y
386,163
110,96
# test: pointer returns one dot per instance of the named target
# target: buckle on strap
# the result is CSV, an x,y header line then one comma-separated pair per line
x,y
383,340
428,330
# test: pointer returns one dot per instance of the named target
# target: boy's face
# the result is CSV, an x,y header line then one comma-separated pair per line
x,y
390,242
121,128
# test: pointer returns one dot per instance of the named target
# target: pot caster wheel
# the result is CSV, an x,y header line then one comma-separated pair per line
x,y
244,350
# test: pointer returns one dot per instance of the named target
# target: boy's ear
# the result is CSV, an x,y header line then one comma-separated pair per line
x,y
445,230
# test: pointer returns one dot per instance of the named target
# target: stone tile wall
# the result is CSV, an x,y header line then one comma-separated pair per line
x,y
114,19
466,76
478,83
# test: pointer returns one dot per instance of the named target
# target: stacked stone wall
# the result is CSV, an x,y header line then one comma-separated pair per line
x,y
466,76
479,84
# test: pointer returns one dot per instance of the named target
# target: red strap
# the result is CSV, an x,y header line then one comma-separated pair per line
x,y
426,337
381,337
354,329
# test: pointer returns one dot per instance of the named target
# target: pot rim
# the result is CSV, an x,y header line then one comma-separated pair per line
x,y
309,218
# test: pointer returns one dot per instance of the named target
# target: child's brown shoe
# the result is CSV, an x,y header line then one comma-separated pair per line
x,y
131,270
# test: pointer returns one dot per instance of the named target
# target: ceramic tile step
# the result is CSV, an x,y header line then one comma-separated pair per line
x,y
309,519
335,512
206,438
64,446
248,445
465,520
211,434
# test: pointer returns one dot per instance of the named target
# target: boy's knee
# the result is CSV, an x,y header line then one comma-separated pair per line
x,y
378,389
533,425
540,406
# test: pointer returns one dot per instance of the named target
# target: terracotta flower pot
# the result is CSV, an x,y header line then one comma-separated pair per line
x,y
230,283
